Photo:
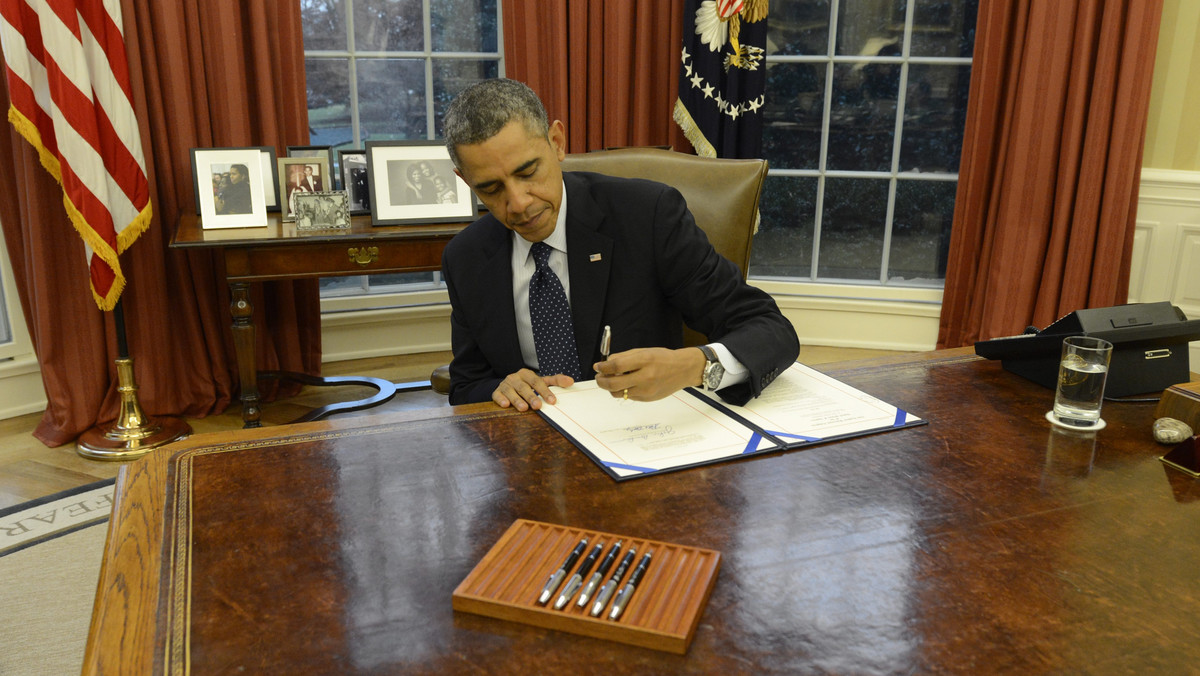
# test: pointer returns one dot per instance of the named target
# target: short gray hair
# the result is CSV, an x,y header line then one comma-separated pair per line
x,y
484,108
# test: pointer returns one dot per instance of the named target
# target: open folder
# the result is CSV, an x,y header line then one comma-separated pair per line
x,y
630,439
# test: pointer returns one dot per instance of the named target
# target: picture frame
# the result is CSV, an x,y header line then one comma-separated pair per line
x,y
328,210
317,152
223,202
355,182
301,174
433,194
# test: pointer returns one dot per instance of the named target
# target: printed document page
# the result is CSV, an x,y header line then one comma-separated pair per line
x,y
804,405
629,438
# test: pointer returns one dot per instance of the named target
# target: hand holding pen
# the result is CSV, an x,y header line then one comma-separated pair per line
x,y
606,349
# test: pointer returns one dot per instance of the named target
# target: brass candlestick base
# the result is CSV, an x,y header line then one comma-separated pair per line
x,y
132,434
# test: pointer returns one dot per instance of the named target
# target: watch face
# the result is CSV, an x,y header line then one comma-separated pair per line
x,y
712,375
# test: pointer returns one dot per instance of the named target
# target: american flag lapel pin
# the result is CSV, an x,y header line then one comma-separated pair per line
x,y
594,257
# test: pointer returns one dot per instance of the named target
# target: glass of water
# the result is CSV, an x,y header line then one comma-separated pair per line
x,y
1082,373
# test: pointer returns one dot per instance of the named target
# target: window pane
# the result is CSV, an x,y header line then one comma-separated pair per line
x,y
944,28
6,335
921,231
935,110
323,23
852,226
343,286
328,101
798,27
380,282
463,25
870,27
388,26
862,119
795,105
451,76
784,242
391,99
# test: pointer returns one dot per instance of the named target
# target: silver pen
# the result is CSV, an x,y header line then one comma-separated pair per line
x,y
601,571
609,587
577,579
557,577
606,342
623,597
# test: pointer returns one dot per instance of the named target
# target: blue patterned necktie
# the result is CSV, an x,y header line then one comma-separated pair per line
x,y
553,333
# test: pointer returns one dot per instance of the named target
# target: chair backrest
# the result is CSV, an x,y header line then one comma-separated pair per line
x,y
722,194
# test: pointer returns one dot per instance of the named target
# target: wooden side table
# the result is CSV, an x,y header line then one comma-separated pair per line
x,y
280,251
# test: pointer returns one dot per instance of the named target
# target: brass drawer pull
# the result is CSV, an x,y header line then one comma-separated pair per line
x,y
364,256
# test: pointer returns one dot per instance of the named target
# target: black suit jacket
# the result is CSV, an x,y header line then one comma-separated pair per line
x,y
637,262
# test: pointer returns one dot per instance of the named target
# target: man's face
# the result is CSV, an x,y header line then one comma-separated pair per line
x,y
308,171
517,176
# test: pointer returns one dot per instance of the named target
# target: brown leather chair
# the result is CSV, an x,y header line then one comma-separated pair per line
x,y
722,195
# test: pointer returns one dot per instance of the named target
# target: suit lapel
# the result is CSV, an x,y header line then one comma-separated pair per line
x,y
589,261
498,296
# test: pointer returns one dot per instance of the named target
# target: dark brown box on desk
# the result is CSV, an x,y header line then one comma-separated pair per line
x,y
662,614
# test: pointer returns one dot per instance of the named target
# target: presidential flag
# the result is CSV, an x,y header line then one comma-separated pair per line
x,y
68,80
722,77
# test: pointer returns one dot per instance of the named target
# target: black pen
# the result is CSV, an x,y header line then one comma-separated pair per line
x,y
609,587
628,589
598,575
577,579
557,578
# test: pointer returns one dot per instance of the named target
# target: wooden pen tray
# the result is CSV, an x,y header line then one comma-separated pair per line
x,y
662,614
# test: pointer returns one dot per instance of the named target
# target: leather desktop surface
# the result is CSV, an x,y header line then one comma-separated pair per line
x,y
985,540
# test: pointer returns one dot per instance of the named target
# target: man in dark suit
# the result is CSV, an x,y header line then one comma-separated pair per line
x,y
627,253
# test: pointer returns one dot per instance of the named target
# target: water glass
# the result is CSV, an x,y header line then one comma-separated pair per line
x,y
1082,373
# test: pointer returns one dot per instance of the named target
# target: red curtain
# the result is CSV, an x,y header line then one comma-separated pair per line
x,y
205,73
1048,183
609,69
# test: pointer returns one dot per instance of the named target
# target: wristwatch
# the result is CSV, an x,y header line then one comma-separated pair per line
x,y
713,371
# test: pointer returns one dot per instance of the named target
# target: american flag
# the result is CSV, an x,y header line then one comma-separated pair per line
x,y
68,80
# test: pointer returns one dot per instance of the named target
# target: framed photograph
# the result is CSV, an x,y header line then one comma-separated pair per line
x,y
414,182
327,210
317,152
300,175
230,187
353,165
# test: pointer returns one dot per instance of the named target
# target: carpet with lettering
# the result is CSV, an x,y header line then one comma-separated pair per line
x,y
36,521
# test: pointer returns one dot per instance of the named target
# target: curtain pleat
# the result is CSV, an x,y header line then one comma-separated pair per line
x,y
204,74
608,70
1049,177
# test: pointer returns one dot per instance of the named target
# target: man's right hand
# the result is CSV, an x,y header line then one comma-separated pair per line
x,y
525,389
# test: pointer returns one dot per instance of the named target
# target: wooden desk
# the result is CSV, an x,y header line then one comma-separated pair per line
x,y
280,251
984,542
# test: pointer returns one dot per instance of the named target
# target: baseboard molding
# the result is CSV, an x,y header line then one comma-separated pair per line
x,y
21,390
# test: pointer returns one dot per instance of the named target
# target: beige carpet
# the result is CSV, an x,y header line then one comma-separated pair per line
x,y
48,582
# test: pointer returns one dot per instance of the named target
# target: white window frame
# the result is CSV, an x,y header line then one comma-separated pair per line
x,y
394,296
859,289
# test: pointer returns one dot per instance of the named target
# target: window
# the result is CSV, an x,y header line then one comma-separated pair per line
x,y
387,70
866,101
14,339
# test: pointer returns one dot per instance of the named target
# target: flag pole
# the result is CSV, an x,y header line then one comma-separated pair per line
x,y
133,434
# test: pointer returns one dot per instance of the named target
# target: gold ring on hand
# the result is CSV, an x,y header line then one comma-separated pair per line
x,y
626,397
